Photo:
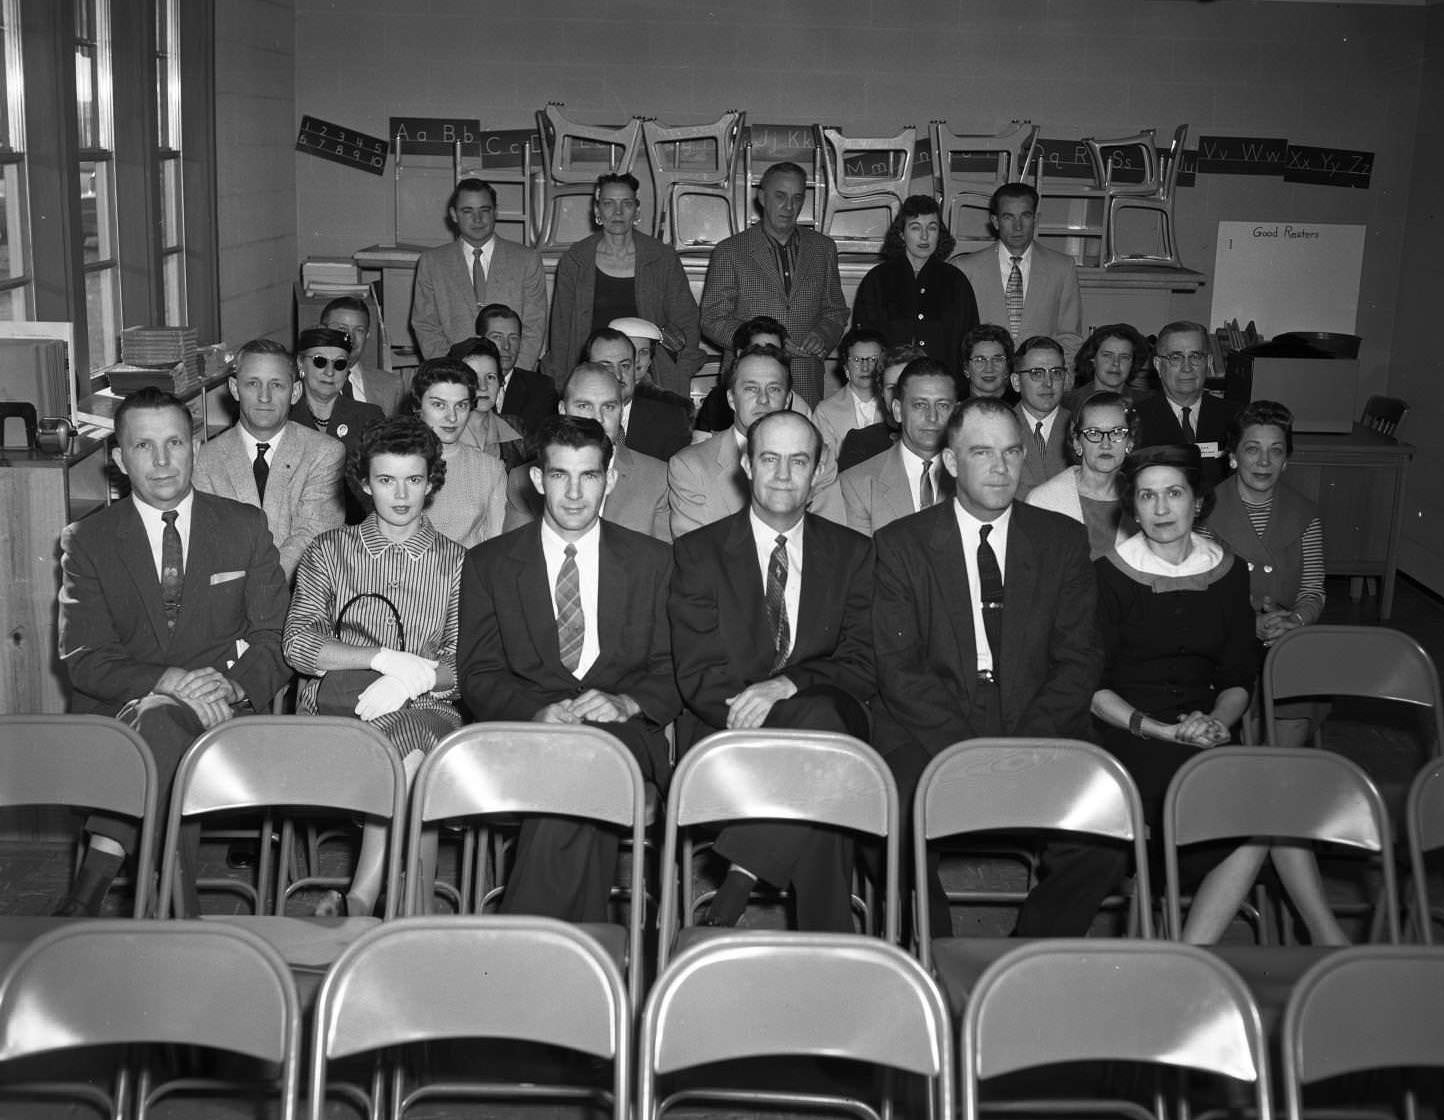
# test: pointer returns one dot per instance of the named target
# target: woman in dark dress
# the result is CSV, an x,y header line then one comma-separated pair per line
x,y
915,296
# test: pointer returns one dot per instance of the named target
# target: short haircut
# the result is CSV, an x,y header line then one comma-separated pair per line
x,y
1038,342
605,334
442,371
398,435
1181,326
495,311
1259,414
924,367
988,332
917,206
901,354
347,303
262,346
782,414
982,406
1083,360
148,398
622,178
761,350
1012,190
856,335
786,167
471,184
759,324
586,369
313,338
1104,398
575,432
1184,457
474,346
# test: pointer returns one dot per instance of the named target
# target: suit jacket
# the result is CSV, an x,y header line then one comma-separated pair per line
x,y
861,444
662,294
718,610
509,664
303,490
1211,422
878,492
383,389
444,303
637,502
657,427
923,631
705,483
1052,305
743,282
1037,471
531,397
835,417
933,308
114,640
349,419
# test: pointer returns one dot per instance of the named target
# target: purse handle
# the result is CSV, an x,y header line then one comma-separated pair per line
x,y
395,614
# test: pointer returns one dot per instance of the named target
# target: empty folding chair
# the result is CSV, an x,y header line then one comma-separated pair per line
x,y
1425,812
564,175
1384,414
1154,192
787,995
1010,156
699,161
880,179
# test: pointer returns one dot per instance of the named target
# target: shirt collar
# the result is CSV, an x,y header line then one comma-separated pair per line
x,y
970,525
375,542
249,442
766,536
153,519
1005,256
588,544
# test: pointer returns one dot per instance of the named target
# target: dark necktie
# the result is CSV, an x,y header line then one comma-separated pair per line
x,y
478,277
1189,435
172,568
571,623
1013,297
990,589
777,603
1041,442
262,470
926,497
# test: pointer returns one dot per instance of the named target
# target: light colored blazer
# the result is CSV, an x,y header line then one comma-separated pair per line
x,y
444,304
638,501
1052,306
1036,471
303,490
877,491
835,417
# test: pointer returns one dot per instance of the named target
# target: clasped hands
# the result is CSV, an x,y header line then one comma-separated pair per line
x,y
1199,729
592,705
404,676
1273,622
750,708
207,692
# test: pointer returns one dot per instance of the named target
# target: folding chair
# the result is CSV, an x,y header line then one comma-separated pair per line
x,y
1384,414
563,176
776,994
810,776
1155,193
1076,1000
129,984
524,177
486,769
419,980
1425,827
984,785
752,176
1372,1007
694,161
1010,156
884,181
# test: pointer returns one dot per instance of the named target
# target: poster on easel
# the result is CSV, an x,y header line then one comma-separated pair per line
x,y
1288,276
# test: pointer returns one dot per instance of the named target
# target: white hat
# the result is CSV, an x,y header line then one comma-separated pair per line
x,y
633,327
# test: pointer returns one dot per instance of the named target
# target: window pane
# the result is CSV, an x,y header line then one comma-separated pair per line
x,y
175,290
170,214
96,207
87,100
102,312
7,31
13,307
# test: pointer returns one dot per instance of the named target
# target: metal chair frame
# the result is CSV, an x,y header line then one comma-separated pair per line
x,y
1156,193
1424,828
1017,154
842,193
671,185
560,178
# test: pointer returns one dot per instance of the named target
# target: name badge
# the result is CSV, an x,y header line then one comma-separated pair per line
x,y
1209,450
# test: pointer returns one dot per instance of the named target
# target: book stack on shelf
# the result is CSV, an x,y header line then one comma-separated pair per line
x,y
164,357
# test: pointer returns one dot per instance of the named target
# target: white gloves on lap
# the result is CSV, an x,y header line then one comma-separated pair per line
x,y
383,695
417,674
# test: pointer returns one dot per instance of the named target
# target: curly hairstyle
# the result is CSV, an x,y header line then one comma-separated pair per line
x,y
400,435
1258,414
917,206
436,371
1183,457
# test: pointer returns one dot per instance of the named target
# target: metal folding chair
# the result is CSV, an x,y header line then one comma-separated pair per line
x,y
1425,828
694,161
885,179
1384,414
764,994
1010,156
1155,193
563,176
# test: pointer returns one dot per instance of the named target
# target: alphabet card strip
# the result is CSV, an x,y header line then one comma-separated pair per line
x,y
342,145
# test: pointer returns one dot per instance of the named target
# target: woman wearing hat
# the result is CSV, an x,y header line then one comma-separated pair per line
x,y
323,358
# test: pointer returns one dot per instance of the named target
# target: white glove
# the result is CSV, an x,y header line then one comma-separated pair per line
x,y
385,694
417,674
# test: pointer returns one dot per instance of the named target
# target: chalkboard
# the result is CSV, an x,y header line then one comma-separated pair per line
x,y
1241,155
1330,167
342,145
1288,276
432,136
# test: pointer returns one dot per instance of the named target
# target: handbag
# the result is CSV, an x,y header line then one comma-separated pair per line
x,y
342,688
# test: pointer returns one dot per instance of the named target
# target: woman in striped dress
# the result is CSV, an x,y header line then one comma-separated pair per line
x,y
396,553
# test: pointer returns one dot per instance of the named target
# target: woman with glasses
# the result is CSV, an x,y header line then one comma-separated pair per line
x,y
486,429
1106,363
1100,436
323,358
856,404
988,362
619,272
915,296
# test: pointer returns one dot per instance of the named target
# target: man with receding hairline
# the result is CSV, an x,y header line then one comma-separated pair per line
x,y
1184,412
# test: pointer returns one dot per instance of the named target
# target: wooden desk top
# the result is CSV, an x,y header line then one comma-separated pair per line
x,y
1361,441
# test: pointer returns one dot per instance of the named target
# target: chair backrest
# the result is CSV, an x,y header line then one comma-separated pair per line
x,y
86,761
1294,792
981,785
1072,1000
814,776
1372,661
888,162
705,157
1171,162
1425,827
1102,153
758,993
1015,154
525,978
559,134
1384,414
153,982
1363,1008
311,762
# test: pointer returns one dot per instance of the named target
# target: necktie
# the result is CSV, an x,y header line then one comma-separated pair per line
x,y
1013,298
261,469
1189,435
926,497
1041,442
777,603
172,570
990,580
571,624
478,277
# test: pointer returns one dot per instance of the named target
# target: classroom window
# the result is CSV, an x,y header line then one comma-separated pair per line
x,y
16,282
168,132
95,114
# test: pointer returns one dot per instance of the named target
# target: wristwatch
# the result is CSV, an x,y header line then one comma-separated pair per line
x,y
1135,724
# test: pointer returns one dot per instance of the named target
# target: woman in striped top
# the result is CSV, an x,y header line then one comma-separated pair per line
x,y
395,552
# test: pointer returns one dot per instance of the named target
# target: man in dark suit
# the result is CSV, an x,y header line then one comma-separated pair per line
x,y
381,387
1183,412
771,628
774,268
983,614
656,422
526,394
565,621
1038,379
171,610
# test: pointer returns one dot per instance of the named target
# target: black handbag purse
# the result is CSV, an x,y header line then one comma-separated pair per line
x,y
342,688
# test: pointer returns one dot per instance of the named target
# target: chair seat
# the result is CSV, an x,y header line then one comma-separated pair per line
x,y
1271,972
304,943
959,961
613,939
18,932
688,936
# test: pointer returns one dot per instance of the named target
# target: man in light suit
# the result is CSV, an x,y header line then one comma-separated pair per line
x,y
455,280
774,268
270,461
1039,376
1048,300
705,481
638,501
983,614
565,621
380,387
909,476
1183,412
171,610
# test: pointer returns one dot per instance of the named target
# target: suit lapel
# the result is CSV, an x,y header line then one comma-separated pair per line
x,y
133,548
746,604
534,596
238,468
611,608
956,594
817,582
1020,586
283,469
200,562
729,466
895,485
763,256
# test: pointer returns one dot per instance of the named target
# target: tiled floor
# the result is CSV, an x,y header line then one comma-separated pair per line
x,y
32,877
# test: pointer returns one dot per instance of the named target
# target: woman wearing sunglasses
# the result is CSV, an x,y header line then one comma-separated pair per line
x,y
1101,436
323,360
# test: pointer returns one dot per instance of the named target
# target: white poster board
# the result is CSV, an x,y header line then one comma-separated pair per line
x,y
1288,276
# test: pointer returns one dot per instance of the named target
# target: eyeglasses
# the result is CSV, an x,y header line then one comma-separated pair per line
x,y
1194,359
1040,375
862,362
978,361
1098,435
338,364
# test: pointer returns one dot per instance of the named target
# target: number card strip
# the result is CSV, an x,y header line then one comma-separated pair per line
x,y
342,145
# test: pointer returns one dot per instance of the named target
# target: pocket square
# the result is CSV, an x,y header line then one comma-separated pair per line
x,y
226,577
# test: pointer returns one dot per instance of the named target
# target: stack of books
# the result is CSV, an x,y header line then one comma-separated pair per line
x,y
164,357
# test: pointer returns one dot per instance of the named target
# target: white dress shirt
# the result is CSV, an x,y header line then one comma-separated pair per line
x,y
356,379
968,526
250,443
1025,265
588,564
1034,421
913,468
502,383
864,412
150,517
764,536
468,254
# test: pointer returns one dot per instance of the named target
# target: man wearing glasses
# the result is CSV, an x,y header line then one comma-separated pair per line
x,y
1039,378
855,405
380,387
1184,413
